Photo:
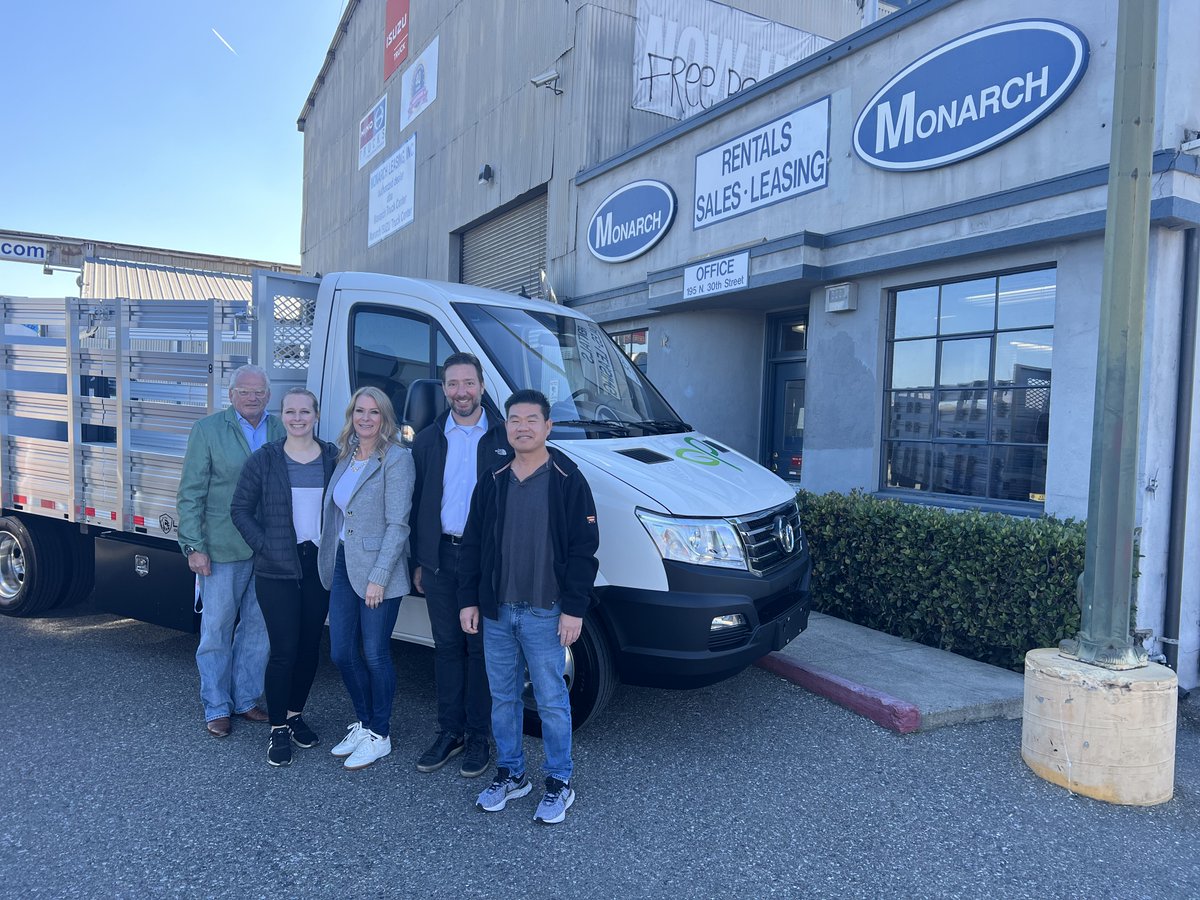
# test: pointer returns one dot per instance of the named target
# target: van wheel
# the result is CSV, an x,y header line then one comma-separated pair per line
x,y
31,567
590,675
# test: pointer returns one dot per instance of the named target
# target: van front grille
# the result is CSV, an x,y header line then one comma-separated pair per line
x,y
764,534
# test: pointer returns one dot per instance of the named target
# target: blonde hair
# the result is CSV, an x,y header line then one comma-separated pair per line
x,y
388,426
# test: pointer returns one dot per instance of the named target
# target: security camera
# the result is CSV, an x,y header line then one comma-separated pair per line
x,y
547,79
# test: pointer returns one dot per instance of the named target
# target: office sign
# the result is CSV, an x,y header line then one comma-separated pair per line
x,y
390,196
777,161
395,37
24,251
716,276
970,95
372,132
631,220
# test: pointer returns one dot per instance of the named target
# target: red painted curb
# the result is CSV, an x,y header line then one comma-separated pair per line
x,y
882,709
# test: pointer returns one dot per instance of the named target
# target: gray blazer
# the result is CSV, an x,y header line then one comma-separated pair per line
x,y
376,524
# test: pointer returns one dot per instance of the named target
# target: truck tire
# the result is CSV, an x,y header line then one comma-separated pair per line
x,y
31,567
590,674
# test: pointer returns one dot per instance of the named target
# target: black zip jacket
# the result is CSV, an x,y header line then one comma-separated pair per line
x,y
262,509
429,455
573,534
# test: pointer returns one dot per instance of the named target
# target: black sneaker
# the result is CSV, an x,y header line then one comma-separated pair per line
x,y
476,759
302,735
444,748
279,750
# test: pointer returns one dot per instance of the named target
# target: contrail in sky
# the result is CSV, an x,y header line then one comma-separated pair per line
x,y
223,41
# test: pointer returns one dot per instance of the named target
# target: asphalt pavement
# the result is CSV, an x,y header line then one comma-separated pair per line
x,y
755,787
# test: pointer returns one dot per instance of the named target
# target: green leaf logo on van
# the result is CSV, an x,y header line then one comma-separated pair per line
x,y
702,454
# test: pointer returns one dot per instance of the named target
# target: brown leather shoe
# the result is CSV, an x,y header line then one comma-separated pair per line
x,y
254,714
219,727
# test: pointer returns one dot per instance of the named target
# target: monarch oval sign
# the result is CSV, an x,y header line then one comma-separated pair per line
x,y
970,95
631,220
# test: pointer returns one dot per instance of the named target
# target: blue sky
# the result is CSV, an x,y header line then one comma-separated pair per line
x,y
131,121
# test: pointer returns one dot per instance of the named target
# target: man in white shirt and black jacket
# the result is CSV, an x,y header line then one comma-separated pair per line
x,y
450,454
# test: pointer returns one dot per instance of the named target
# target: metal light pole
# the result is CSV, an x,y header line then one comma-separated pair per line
x,y
1106,584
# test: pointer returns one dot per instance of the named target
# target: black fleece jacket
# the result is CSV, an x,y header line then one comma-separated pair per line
x,y
429,455
574,537
261,508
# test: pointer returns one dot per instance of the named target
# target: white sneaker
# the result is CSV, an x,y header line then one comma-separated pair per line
x,y
369,749
355,735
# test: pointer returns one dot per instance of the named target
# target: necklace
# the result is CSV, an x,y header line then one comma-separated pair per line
x,y
356,464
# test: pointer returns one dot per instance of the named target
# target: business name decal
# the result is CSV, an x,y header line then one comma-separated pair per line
x,y
631,220
970,95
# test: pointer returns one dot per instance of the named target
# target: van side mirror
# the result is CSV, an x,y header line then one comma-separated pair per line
x,y
424,403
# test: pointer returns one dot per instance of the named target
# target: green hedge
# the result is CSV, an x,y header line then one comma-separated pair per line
x,y
984,585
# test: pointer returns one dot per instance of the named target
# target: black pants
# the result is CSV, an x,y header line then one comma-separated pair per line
x,y
295,615
463,699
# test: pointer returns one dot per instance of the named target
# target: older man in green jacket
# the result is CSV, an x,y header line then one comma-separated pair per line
x,y
231,661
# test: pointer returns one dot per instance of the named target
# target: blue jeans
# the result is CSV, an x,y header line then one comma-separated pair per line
x,y
231,659
523,635
360,643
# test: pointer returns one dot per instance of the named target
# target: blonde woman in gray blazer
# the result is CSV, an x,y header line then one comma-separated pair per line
x,y
363,562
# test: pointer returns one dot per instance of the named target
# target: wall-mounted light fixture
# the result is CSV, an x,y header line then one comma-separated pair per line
x,y
548,79
486,174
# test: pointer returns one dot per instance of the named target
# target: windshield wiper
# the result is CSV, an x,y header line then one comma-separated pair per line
x,y
609,425
664,426
622,426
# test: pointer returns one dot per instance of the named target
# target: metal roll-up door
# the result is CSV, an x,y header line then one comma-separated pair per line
x,y
507,253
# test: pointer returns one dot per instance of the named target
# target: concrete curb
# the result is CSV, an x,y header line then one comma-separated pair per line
x,y
882,709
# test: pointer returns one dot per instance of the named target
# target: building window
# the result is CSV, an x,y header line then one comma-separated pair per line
x,y
967,401
633,345
793,335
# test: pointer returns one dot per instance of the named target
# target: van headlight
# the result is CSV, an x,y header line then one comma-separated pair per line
x,y
703,542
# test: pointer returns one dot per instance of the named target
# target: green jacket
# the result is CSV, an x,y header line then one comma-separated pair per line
x,y
216,452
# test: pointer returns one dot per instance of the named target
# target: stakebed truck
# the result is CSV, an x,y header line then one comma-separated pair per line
x,y
703,562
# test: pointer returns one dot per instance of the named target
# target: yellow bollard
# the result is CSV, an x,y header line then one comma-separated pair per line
x,y
1102,733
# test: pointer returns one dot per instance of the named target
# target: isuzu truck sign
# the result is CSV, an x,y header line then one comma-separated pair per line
x,y
631,220
971,95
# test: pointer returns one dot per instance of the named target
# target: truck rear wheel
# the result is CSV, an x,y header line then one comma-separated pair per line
x,y
31,567
590,676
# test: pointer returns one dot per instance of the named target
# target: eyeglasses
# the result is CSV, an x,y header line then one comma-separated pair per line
x,y
258,395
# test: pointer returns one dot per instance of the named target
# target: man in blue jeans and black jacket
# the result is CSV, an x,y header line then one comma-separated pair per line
x,y
526,571
450,455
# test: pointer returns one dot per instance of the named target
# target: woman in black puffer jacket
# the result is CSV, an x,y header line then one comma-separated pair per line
x,y
277,508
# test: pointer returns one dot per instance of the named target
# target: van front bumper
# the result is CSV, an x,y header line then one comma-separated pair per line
x,y
665,638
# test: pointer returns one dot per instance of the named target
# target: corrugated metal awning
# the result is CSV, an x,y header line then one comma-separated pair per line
x,y
110,278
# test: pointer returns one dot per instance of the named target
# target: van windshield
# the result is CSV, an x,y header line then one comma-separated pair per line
x,y
595,391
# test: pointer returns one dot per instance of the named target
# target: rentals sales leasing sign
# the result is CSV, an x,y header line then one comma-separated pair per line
x,y
390,196
690,54
776,161
395,37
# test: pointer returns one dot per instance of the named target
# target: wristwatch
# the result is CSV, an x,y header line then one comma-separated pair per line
x,y
189,550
